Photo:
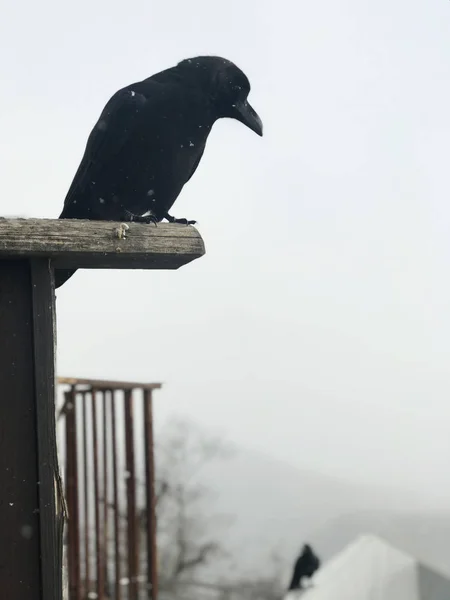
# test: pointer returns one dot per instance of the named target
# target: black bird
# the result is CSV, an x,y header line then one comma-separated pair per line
x,y
149,140
305,566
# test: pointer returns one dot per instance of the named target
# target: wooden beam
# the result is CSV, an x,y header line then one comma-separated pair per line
x,y
30,514
52,507
19,500
76,243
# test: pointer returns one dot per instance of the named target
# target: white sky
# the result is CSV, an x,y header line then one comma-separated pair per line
x,y
317,327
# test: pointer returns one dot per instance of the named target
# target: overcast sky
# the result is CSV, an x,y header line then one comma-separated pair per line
x,y
317,326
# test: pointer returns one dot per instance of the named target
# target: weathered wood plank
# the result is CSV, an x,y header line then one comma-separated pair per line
x,y
51,498
76,243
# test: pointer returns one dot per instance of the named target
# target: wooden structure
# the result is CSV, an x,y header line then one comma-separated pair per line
x,y
31,498
110,487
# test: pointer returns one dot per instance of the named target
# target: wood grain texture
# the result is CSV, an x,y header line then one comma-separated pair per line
x,y
76,243
50,486
30,509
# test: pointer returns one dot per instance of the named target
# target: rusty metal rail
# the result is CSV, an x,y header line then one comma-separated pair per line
x,y
107,448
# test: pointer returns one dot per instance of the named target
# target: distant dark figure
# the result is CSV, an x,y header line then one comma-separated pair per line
x,y
149,141
305,566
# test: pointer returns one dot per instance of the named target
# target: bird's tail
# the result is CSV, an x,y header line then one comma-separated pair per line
x,y
62,275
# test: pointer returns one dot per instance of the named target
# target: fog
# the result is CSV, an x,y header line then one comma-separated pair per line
x,y
316,328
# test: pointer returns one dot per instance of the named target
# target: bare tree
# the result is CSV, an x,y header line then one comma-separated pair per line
x,y
267,585
187,528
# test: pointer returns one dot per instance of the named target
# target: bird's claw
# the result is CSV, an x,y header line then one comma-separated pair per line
x,y
180,221
149,219
184,222
141,219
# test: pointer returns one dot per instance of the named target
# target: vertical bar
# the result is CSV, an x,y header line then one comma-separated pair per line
x,y
30,514
69,471
87,565
52,505
118,589
131,498
98,557
105,490
20,574
152,575
72,497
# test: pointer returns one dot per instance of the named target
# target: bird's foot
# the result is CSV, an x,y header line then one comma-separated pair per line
x,y
141,219
182,221
147,219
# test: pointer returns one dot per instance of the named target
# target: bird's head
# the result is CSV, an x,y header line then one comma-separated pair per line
x,y
227,88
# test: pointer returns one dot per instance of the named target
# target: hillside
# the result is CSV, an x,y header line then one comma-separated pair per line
x,y
425,535
275,507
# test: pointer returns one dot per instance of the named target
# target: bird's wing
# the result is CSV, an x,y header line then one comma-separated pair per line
x,y
117,121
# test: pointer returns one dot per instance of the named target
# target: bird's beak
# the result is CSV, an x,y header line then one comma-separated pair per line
x,y
246,114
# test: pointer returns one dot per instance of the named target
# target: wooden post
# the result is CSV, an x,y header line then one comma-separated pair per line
x,y
30,515
31,498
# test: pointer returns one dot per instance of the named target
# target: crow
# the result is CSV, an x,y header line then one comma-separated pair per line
x,y
305,566
149,140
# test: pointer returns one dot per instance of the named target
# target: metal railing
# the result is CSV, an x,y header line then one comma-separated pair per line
x,y
106,439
